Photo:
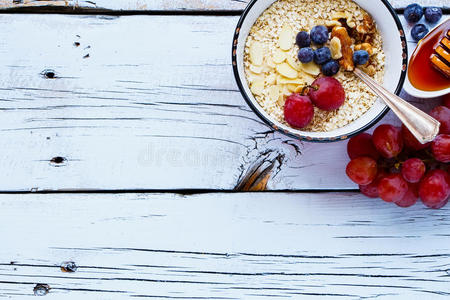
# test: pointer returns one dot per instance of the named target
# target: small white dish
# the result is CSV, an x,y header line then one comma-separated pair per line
x,y
411,90
423,94
394,46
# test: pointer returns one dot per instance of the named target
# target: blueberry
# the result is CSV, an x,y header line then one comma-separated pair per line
x,y
322,55
303,39
361,57
413,12
330,68
306,55
433,14
319,34
419,31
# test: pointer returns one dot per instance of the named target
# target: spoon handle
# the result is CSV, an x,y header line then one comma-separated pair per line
x,y
422,126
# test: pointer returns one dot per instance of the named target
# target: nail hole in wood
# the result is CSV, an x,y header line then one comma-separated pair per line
x,y
57,160
49,74
76,44
69,267
41,289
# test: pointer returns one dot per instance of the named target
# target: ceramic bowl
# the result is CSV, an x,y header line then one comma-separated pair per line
x,y
394,45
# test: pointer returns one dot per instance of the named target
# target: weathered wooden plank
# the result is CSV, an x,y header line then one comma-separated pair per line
x,y
137,102
224,246
162,5
131,5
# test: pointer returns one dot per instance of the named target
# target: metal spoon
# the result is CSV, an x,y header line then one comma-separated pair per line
x,y
422,126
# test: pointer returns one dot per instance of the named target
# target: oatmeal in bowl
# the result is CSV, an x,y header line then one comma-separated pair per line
x,y
293,62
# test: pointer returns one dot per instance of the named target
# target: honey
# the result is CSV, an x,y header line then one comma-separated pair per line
x,y
421,73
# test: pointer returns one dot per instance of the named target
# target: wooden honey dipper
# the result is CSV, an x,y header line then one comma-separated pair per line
x,y
440,59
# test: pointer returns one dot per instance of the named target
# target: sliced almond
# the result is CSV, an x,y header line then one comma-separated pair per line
x,y
257,87
279,56
292,87
296,81
266,68
335,47
280,79
293,62
306,78
310,68
270,62
286,91
255,69
271,79
256,53
285,40
252,77
287,71
274,93
281,99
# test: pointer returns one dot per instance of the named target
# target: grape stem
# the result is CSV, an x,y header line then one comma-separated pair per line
x,y
306,88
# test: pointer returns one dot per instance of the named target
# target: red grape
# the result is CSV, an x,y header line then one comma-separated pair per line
x,y
361,145
434,189
388,140
327,93
298,110
362,170
411,196
413,170
410,141
371,190
439,205
441,148
392,188
446,101
442,114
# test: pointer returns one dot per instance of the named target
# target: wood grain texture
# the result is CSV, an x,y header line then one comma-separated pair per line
x,y
138,102
162,5
222,246
132,5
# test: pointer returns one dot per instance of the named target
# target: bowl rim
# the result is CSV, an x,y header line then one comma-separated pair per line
x,y
271,124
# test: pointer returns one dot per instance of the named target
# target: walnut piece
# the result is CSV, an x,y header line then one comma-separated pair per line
x,y
335,47
351,23
333,23
339,15
367,25
369,70
346,42
364,46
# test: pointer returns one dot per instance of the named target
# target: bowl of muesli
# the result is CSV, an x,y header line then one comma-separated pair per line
x,y
293,63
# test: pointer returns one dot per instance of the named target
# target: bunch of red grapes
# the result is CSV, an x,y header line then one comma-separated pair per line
x,y
393,165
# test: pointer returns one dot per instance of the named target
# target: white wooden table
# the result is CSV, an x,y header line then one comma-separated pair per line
x,y
125,145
